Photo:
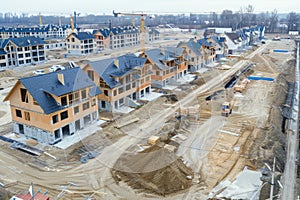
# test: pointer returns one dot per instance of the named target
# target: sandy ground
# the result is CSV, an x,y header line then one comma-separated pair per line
x,y
211,154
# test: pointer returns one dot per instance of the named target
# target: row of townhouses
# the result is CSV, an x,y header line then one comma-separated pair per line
x,y
31,49
49,31
22,51
115,38
106,38
66,101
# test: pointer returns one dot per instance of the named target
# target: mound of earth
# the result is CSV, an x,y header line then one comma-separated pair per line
x,y
169,173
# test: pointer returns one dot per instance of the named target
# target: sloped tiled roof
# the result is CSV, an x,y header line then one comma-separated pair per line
x,y
107,70
194,46
234,37
42,87
2,52
165,54
204,42
83,35
23,41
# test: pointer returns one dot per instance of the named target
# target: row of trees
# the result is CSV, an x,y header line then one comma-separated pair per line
x,y
246,17
273,21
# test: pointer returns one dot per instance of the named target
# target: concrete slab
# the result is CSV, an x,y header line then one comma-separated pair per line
x,y
124,109
151,96
78,136
186,79
202,70
170,87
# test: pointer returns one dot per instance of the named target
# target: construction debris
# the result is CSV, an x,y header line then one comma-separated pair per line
x,y
241,86
153,140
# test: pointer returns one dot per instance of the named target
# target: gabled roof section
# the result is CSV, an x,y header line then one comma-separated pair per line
x,y
105,32
2,52
107,69
234,37
43,87
194,46
23,41
164,54
83,35
204,42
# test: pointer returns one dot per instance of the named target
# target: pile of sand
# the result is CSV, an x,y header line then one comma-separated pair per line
x,y
155,170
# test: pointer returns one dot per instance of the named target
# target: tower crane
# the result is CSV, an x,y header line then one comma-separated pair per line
x,y
41,20
142,15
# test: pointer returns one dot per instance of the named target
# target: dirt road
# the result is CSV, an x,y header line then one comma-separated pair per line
x,y
94,178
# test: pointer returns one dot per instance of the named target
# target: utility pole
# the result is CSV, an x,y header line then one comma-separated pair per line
x,y
272,180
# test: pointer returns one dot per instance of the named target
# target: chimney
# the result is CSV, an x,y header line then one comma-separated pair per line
x,y
162,51
116,62
61,78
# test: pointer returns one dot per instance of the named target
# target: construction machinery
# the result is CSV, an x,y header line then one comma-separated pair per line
x,y
226,108
142,15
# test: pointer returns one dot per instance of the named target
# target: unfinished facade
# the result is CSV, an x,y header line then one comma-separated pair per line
x,y
22,51
123,80
51,106
169,64
81,43
194,51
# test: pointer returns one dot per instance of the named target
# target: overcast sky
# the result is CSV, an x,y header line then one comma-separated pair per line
x,y
153,6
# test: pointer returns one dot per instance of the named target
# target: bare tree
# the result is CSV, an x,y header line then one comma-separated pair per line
x,y
214,19
273,21
226,18
293,21
248,15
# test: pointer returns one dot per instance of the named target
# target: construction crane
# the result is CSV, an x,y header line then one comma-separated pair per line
x,y
72,22
75,18
142,15
59,21
41,20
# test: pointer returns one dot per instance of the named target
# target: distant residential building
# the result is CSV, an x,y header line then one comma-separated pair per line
x,y
51,106
81,43
219,46
57,32
169,64
22,32
193,49
21,51
293,32
233,41
208,50
127,36
55,44
45,32
123,80
152,35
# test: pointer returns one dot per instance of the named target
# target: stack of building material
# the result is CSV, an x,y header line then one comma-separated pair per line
x,y
153,140
241,87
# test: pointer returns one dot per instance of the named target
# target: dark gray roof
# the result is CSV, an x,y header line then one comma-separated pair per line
x,y
24,41
164,54
194,46
234,37
2,52
83,35
107,70
42,87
